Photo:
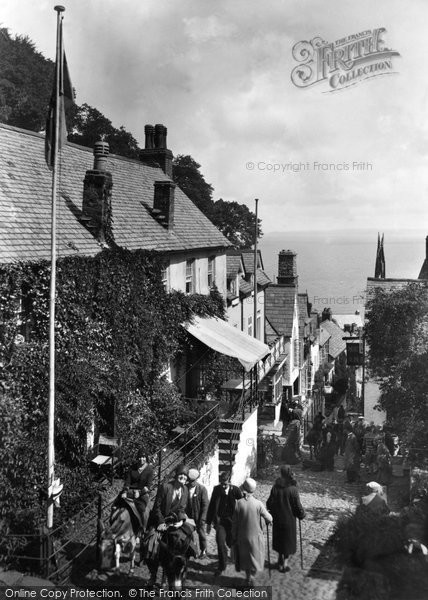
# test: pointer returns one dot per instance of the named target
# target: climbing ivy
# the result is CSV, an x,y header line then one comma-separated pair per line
x,y
116,329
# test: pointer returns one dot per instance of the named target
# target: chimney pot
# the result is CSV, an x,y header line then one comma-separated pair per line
x,y
160,136
101,152
149,131
156,153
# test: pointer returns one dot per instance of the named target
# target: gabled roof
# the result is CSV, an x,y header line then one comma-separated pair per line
x,y
337,344
25,204
248,259
279,308
234,264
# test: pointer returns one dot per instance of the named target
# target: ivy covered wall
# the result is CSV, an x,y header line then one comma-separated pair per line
x,y
116,328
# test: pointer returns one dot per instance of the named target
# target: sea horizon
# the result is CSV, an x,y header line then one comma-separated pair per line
x,y
333,265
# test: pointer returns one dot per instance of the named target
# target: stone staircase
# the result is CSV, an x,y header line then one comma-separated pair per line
x,y
229,434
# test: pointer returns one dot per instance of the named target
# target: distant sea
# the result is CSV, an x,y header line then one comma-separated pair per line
x,y
333,266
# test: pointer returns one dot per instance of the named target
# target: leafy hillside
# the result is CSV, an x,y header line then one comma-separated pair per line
x,y
25,82
26,79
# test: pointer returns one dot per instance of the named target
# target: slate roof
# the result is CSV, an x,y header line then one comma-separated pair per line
x,y
25,204
337,344
248,260
233,264
324,336
279,308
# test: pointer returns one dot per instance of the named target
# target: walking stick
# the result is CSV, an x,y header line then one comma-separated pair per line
x,y
268,550
301,547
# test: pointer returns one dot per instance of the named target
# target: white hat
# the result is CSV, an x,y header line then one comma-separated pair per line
x,y
249,485
193,474
373,486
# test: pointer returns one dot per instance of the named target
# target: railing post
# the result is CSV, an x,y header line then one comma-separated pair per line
x,y
159,466
185,444
99,519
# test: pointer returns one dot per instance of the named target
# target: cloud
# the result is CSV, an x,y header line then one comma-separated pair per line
x,y
218,76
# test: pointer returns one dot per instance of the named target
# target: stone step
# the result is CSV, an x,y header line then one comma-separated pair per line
x,y
227,433
226,444
231,423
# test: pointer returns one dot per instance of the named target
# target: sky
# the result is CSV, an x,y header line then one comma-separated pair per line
x,y
218,76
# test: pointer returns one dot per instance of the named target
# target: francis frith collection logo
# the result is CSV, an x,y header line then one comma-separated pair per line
x,y
342,63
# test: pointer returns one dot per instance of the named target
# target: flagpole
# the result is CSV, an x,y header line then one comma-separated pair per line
x,y
51,410
256,231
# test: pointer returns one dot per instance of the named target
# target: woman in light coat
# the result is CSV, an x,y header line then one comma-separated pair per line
x,y
247,532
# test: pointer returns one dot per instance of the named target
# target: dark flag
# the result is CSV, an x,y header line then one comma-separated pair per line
x,y
62,89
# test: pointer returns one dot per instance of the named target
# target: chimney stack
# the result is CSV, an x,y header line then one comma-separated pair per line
x,y
287,268
156,153
163,203
97,189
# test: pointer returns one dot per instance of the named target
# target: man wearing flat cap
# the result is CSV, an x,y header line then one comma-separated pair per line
x,y
197,506
171,500
220,514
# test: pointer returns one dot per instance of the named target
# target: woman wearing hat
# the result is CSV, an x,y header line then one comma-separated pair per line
x,y
247,532
197,506
374,500
285,506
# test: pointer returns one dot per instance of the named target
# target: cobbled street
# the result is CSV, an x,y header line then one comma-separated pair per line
x,y
325,496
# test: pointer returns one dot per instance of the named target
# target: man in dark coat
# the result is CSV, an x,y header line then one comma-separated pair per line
x,y
285,506
171,499
197,507
220,514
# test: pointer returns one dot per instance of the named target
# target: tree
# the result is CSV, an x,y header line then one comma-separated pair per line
x,y
89,125
25,82
235,221
186,174
397,337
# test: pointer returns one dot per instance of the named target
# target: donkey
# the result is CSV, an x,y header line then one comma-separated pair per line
x,y
121,534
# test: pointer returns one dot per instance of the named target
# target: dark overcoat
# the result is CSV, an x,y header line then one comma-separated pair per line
x,y
285,506
197,505
213,517
164,504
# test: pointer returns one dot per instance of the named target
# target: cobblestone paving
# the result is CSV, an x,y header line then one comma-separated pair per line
x,y
325,496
